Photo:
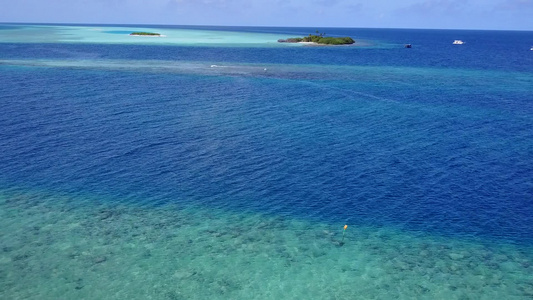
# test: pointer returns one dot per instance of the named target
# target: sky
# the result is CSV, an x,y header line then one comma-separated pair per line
x,y
435,14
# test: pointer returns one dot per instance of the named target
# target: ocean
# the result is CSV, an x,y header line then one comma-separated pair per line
x,y
215,163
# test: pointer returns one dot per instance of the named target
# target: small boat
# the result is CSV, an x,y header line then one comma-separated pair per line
x,y
531,49
408,46
458,42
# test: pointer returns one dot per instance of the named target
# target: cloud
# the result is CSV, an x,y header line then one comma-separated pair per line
x,y
328,3
515,5
202,2
199,4
355,7
430,7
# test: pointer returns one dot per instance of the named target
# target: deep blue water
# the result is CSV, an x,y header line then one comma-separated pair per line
x,y
433,139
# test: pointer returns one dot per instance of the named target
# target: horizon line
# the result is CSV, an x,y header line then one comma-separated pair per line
x,y
254,26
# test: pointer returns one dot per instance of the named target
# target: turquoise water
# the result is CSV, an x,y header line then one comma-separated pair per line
x,y
154,170
65,247
121,35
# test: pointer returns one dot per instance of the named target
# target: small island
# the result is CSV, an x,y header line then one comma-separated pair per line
x,y
319,39
145,34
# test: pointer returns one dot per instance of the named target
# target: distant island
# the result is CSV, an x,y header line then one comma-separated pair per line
x,y
145,34
320,39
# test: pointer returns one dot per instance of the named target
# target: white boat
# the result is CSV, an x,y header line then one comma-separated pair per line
x,y
458,42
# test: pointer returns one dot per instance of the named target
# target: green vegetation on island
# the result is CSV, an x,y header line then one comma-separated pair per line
x,y
146,33
320,38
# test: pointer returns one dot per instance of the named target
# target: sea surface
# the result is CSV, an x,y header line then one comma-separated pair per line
x,y
216,163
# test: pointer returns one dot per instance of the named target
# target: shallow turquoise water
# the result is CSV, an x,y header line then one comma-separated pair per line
x,y
121,35
57,246
143,170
